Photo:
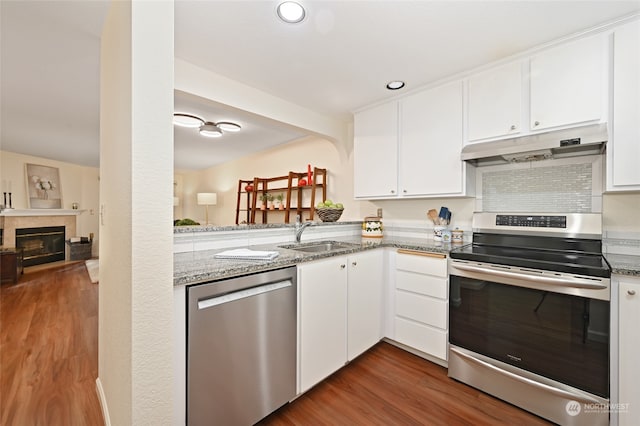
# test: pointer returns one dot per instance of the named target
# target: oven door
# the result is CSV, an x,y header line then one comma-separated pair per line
x,y
552,325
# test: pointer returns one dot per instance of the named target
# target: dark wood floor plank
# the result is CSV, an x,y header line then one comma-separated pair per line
x,y
49,349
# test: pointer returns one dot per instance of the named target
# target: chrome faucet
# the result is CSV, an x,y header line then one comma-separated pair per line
x,y
300,227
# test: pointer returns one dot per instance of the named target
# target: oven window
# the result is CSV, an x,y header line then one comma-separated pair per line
x,y
561,337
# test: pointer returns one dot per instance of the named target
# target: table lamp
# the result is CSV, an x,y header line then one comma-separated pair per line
x,y
207,199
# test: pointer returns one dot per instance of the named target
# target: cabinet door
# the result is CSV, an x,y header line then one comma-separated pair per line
x,y
323,319
567,84
624,147
431,141
495,102
375,152
364,318
629,351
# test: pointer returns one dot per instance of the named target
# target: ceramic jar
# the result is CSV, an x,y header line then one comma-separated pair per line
x,y
372,227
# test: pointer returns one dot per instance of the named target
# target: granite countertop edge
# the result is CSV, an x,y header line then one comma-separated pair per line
x,y
624,264
201,266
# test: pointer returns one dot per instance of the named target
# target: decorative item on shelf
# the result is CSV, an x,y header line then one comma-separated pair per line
x,y
309,174
248,188
372,227
329,212
270,204
279,199
264,198
302,182
207,199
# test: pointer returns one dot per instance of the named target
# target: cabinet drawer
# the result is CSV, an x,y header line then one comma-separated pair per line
x,y
436,266
422,308
421,337
422,284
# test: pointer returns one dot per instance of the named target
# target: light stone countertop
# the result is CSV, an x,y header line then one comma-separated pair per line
x,y
199,267
624,264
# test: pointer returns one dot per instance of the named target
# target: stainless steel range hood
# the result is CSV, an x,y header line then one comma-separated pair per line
x,y
586,140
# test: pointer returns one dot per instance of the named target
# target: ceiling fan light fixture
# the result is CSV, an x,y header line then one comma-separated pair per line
x,y
395,85
187,120
210,130
291,12
228,126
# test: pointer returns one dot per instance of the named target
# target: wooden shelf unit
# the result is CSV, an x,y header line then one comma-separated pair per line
x,y
247,201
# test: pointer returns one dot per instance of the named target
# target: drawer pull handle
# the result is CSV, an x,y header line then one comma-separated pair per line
x,y
422,253
631,292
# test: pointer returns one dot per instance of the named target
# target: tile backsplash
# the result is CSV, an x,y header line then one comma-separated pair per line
x,y
539,188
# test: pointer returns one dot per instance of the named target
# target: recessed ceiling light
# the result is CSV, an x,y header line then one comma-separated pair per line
x,y
228,126
210,130
395,85
291,12
187,120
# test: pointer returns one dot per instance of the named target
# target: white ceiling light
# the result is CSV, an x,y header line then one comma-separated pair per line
x,y
207,128
291,12
228,126
187,120
210,130
395,85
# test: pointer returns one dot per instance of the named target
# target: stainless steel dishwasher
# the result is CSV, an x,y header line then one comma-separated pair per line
x,y
241,348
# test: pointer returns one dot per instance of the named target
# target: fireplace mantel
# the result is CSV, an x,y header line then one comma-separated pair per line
x,y
40,212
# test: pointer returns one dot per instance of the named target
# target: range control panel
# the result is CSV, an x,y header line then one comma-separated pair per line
x,y
531,221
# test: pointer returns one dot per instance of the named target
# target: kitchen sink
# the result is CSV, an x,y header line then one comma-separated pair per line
x,y
320,246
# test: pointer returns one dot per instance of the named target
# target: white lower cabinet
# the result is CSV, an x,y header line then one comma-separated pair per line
x,y
629,350
421,302
340,312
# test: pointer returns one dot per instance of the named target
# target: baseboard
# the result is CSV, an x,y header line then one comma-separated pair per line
x,y
103,402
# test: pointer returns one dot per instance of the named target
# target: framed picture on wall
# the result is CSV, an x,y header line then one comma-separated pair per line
x,y
43,187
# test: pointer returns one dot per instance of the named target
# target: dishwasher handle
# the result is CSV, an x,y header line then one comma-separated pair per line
x,y
210,302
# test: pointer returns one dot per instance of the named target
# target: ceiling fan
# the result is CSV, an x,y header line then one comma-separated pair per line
x,y
206,128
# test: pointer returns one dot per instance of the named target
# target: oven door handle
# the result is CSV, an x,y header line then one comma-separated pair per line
x,y
564,281
552,389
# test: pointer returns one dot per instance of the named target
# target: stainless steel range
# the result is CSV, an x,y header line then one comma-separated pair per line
x,y
529,314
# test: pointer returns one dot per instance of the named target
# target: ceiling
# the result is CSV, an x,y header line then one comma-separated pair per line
x,y
334,62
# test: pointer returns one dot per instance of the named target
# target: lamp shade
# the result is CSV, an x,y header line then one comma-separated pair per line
x,y
207,198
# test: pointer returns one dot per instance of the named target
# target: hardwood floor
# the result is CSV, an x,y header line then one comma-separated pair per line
x,y
49,363
389,386
49,349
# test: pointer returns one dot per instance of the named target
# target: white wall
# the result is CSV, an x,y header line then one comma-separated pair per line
x,y
135,374
78,184
279,161
621,213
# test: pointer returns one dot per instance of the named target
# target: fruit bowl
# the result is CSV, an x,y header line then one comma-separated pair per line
x,y
329,214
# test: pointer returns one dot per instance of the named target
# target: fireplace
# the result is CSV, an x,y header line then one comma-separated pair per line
x,y
41,245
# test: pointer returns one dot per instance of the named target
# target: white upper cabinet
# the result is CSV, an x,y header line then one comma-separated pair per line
x,y
623,150
424,161
495,102
375,152
431,125
568,84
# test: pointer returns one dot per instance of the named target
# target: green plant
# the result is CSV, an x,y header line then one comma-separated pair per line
x,y
280,197
264,197
185,222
